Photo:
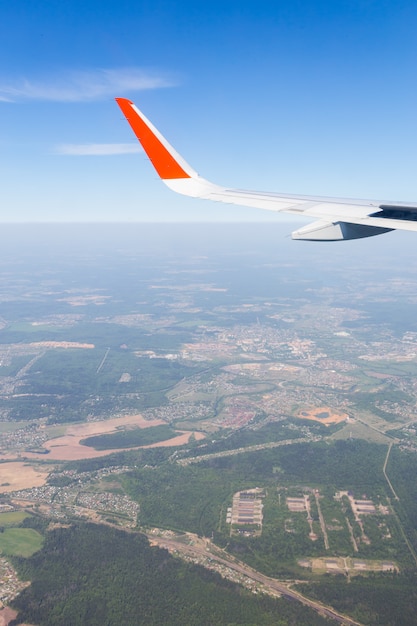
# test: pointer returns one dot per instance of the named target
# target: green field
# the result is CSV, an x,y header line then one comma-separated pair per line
x,y
20,542
12,518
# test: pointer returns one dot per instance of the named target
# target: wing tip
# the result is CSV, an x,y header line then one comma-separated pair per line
x,y
124,103
168,164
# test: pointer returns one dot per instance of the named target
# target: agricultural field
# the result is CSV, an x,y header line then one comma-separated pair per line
x,y
21,475
20,542
15,540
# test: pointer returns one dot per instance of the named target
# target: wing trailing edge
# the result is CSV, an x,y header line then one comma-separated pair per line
x,y
338,218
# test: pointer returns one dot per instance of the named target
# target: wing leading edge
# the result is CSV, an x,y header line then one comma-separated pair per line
x,y
337,218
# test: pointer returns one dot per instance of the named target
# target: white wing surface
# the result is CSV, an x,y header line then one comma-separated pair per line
x,y
336,218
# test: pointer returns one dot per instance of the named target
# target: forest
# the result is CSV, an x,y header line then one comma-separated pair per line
x,y
195,498
130,438
380,599
95,575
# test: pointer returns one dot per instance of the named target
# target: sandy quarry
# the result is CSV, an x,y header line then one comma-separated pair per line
x,y
324,415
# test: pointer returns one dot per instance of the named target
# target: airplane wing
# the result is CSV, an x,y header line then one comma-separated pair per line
x,y
337,218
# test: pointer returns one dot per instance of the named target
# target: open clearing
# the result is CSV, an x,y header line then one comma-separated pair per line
x,y
20,541
12,518
324,415
344,565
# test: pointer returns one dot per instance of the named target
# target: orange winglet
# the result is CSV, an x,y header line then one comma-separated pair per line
x,y
162,160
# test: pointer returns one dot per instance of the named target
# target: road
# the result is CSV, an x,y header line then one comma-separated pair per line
x,y
384,469
254,448
322,522
205,549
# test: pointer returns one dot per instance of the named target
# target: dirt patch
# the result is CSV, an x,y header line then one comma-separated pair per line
x,y
7,615
177,441
18,475
88,429
324,415
69,448
80,300
62,344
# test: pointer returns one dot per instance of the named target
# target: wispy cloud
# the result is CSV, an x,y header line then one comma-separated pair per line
x,y
83,86
97,149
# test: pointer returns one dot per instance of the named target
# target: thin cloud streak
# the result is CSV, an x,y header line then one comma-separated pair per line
x,y
97,149
84,86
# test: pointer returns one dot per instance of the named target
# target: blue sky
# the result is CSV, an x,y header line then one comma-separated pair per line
x,y
294,96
